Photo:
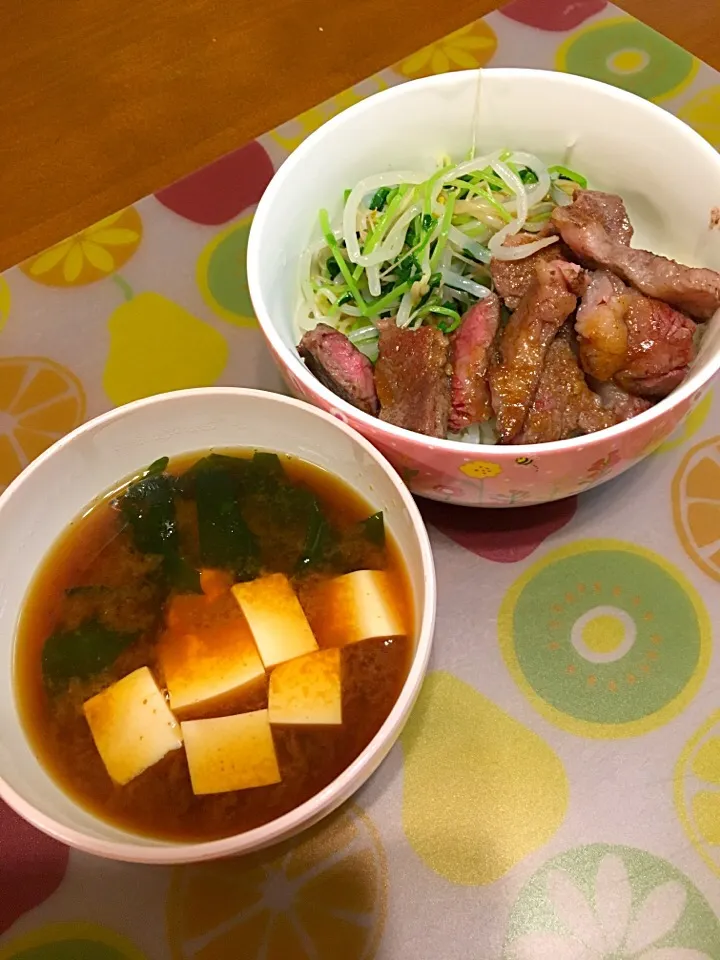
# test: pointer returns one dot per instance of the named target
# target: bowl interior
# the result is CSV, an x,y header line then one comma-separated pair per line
x,y
668,176
57,487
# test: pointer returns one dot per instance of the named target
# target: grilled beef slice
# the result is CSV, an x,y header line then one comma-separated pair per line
x,y
515,374
412,375
340,366
470,348
694,290
564,405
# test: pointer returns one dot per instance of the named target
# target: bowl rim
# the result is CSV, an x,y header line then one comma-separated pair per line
x,y
351,778
290,358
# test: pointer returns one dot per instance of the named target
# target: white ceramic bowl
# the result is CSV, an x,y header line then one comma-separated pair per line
x,y
39,505
668,175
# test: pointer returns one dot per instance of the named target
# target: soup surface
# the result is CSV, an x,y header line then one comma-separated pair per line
x,y
146,572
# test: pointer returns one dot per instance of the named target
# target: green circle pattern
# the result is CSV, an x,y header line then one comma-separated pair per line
x,y
226,276
533,913
656,602
665,68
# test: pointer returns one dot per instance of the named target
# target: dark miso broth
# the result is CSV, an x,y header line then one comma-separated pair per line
x,y
99,605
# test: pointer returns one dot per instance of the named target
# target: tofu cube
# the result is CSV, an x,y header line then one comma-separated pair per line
x,y
307,690
132,725
210,668
230,753
277,620
356,606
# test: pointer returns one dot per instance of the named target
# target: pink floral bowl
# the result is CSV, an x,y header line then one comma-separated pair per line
x,y
667,174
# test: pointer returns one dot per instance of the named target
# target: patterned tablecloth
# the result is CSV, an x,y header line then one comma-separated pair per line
x,y
556,794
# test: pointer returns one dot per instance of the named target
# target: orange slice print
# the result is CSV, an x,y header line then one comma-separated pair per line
x,y
320,898
40,401
696,505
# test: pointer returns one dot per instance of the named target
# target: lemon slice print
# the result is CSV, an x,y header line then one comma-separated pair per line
x,y
606,639
624,52
70,941
40,401
90,255
696,505
322,897
697,791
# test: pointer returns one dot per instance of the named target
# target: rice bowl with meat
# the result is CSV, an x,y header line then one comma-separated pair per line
x,y
501,424
496,300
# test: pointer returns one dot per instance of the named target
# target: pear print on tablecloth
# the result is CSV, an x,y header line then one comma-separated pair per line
x,y
157,346
463,754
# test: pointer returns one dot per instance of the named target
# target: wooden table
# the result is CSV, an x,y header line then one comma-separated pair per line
x,y
104,101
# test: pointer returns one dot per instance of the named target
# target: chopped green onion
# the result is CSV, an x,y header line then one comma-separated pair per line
x,y
558,172
336,252
444,229
380,198
380,305
346,194
333,268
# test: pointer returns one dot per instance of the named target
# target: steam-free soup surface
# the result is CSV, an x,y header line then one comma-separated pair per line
x,y
98,608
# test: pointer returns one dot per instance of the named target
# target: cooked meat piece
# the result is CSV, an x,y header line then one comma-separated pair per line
x,y
564,404
412,375
607,209
470,354
694,290
643,344
513,277
623,405
340,366
660,347
601,327
542,311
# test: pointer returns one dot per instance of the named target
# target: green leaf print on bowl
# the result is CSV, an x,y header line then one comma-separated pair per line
x,y
627,54
605,902
463,754
605,639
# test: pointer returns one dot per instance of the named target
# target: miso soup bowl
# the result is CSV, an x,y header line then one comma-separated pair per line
x,y
38,506
667,174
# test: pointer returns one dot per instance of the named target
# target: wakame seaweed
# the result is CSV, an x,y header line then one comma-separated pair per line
x,y
148,507
374,529
226,541
83,652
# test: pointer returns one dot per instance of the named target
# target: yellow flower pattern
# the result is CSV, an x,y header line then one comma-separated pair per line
x,y
291,134
481,469
90,255
466,49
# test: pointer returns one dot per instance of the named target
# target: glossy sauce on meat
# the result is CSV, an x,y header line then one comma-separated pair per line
x,y
94,572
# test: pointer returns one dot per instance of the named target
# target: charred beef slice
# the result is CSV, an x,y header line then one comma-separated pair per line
x,y
412,378
643,344
512,278
340,366
694,290
564,405
470,348
515,374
